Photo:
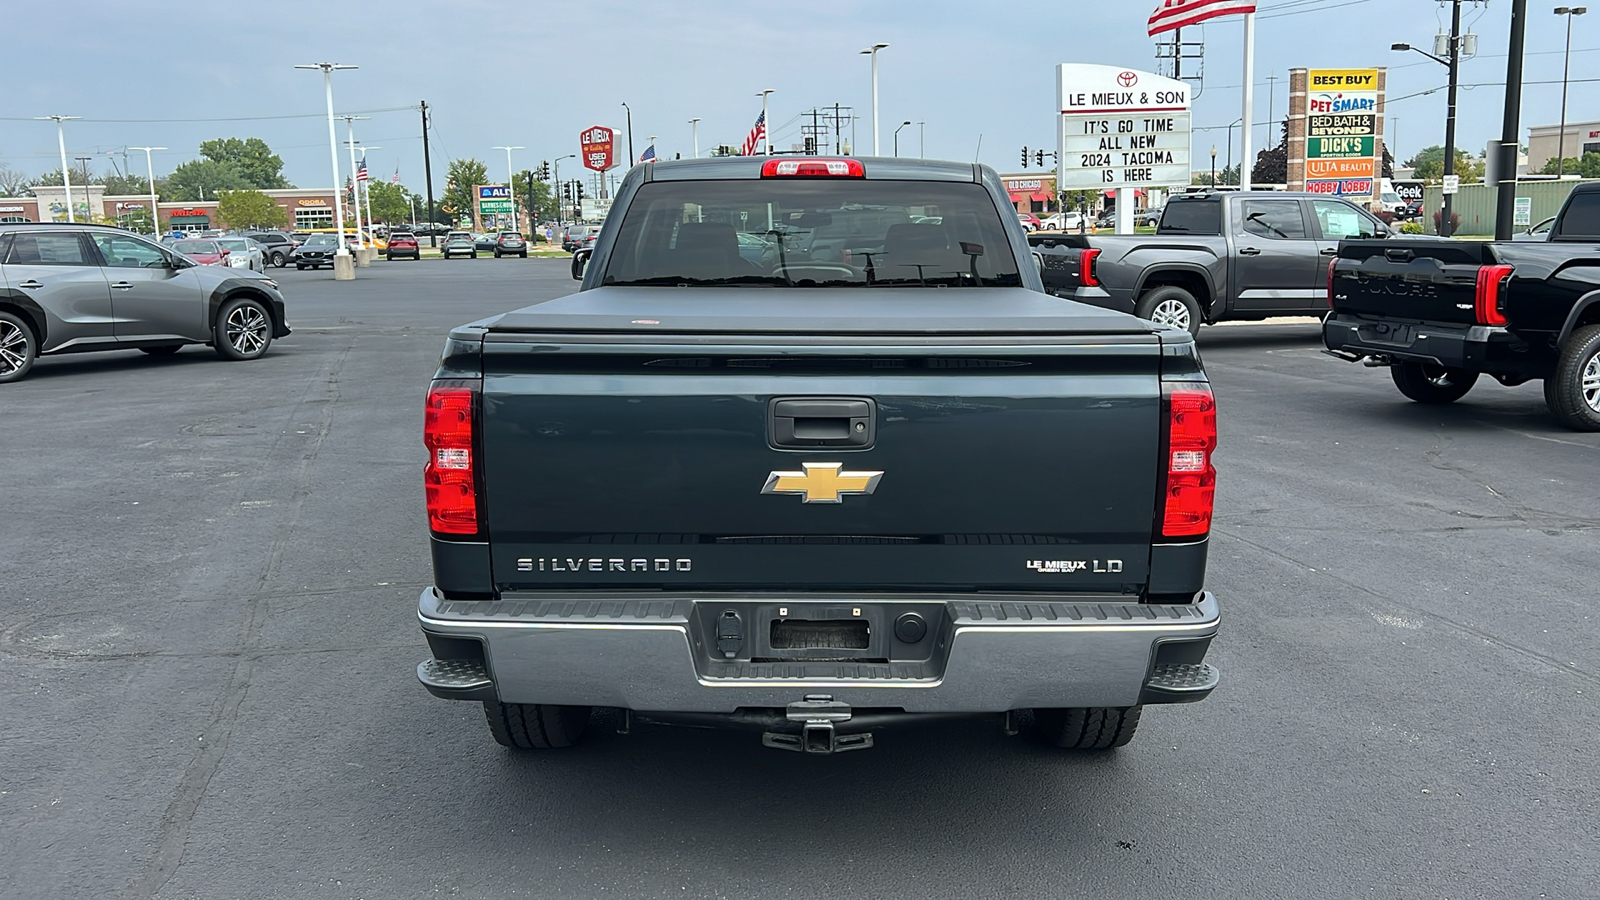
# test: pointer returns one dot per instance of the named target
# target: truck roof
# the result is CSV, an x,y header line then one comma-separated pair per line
x,y
888,168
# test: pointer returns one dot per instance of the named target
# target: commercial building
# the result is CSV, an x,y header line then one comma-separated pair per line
x,y
1031,193
304,208
1544,141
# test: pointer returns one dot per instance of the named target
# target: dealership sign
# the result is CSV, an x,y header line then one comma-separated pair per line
x,y
598,144
1120,128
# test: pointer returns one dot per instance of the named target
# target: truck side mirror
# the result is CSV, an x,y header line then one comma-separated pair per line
x,y
579,260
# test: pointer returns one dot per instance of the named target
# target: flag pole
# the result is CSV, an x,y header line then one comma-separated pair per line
x,y
1246,161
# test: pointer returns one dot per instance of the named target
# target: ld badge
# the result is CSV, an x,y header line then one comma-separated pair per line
x,y
822,482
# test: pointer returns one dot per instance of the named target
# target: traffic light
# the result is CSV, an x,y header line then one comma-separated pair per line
x,y
566,190
1024,157
544,170
580,190
1038,158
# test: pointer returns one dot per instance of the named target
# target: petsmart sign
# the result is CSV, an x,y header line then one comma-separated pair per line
x,y
1341,131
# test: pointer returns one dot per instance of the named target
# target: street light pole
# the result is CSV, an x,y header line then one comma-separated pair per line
x,y
631,158
873,52
510,183
366,193
333,150
897,136
1213,165
355,189
766,123
150,173
66,174
694,126
1566,69
922,144
1230,149
555,181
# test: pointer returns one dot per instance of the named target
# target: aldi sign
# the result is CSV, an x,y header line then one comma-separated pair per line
x,y
597,144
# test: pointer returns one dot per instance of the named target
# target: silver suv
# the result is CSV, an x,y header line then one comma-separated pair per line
x,y
75,288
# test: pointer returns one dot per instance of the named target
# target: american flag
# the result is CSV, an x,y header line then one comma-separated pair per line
x,y
361,173
1173,14
396,178
649,154
759,132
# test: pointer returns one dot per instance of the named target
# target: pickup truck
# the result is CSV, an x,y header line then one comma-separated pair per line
x,y
876,475
1215,256
1439,314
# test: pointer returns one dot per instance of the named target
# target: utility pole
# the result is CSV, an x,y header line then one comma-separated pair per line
x,y
1450,121
1511,130
427,171
150,173
66,173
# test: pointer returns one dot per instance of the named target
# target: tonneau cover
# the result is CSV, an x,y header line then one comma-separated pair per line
x,y
767,310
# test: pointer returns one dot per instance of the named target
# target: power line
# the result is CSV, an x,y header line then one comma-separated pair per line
x,y
232,119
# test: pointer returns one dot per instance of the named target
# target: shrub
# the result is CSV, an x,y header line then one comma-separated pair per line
x,y
1412,228
1455,220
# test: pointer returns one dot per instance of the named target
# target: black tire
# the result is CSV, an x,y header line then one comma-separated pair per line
x,y
1573,392
474,254
523,254
529,726
280,259
166,350
1171,305
300,267
243,329
389,257
18,348
1428,383
1091,728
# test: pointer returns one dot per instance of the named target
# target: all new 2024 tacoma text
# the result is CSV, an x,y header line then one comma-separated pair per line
x,y
812,451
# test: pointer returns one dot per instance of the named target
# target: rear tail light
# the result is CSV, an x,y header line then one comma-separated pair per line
x,y
813,168
1486,301
1087,276
451,474
1190,436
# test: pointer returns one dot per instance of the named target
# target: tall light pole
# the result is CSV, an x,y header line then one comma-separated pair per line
x,y
1453,63
897,136
922,144
511,182
694,127
555,181
366,195
333,148
66,174
150,173
766,130
631,158
873,52
1230,150
355,189
1505,211
1566,68
1213,165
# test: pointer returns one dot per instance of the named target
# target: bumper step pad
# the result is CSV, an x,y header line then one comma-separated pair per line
x,y
1180,683
456,679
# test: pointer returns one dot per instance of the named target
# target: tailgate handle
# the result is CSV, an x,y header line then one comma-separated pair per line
x,y
1398,254
818,422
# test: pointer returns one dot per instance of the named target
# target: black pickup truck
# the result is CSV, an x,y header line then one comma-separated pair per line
x,y
871,474
1215,256
1440,313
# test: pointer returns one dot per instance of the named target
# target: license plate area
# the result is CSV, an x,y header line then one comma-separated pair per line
x,y
820,634
1399,334
817,631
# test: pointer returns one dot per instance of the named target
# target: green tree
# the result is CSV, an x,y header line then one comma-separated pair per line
x,y
250,209
463,175
203,179
390,202
131,184
1428,165
1272,164
251,158
1588,166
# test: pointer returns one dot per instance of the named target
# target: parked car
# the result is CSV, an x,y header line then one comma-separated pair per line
x,y
163,299
510,243
1539,232
244,253
1221,255
352,237
572,236
484,242
277,245
1069,220
865,546
1440,313
206,252
1030,222
402,243
460,243
317,251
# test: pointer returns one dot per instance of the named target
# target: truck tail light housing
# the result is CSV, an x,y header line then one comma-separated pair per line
x,y
450,477
1189,436
1332,265
1486,301
813,167
1087,276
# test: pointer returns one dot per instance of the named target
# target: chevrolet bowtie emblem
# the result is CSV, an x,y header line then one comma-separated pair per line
x,y
821,482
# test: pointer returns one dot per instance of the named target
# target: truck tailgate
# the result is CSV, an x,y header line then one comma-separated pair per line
x,y
1026,463
1422,280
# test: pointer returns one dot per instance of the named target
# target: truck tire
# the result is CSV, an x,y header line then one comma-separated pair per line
x,y
1091,728
18,349
1573,392
1170,305
535,726
1428,383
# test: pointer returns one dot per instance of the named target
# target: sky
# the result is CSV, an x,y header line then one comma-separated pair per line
x,y
980,76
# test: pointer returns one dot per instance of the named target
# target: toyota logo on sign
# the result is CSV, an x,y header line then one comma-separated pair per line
x,y
1127,79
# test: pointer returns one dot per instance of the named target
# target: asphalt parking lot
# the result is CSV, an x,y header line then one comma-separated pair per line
x,y
207,647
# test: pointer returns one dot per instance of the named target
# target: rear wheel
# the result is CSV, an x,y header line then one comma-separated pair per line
x,y
243,330
1428,383
1573,392
1170,305
18,349
535,726
280,259
1088,728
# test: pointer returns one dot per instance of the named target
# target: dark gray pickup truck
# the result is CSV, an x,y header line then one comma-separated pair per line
x,y
874,474
1215,256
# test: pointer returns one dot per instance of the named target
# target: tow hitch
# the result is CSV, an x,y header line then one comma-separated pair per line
x,y
817,715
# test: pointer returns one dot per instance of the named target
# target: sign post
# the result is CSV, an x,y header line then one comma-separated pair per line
x,y
1120,129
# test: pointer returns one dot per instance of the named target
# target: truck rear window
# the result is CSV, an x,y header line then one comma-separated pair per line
x,y
1191,217
813,233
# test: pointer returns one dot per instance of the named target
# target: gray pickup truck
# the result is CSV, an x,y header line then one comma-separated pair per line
x,y
1214,256
875,474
